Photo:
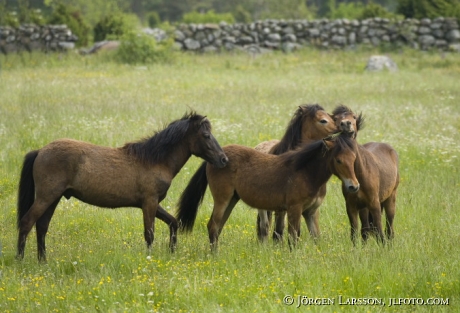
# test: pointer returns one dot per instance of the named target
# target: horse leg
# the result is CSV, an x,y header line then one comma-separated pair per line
x,y
294,214
279,226
37,209
352,213
376,211
263,225
149,210
41,226
366,227
220,213
311,216
390,209
163,215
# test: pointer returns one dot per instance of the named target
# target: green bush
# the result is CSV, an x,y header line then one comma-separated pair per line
x,y
429,8
345,10
114,26
241,15
208,17
139,48
63,14
153,19
376,10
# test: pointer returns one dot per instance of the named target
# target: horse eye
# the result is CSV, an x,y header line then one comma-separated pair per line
x,y
338,161
323,121
354,117
207,136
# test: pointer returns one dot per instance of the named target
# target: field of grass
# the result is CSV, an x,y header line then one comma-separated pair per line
x,y
97,260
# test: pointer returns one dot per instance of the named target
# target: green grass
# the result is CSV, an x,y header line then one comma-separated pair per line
x,y
97,260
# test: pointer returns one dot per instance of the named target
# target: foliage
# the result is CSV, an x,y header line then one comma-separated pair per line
x,y
71,17
36,17
357,10
352,10
376,10
113,26
288,9
242,15
153,19
429,8
139,48
208,17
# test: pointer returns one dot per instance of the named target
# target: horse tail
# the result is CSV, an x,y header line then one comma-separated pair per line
x,y
191,199
26,193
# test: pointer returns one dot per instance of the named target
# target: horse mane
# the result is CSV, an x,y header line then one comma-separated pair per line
x,y
157,148
342,142
341,109
300,157
292,137
307,153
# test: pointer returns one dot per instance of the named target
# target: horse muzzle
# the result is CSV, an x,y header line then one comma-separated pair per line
x,y
223,160
353,188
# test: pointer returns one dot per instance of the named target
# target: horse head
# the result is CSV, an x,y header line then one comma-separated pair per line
x,y
347,121
342,151
204,145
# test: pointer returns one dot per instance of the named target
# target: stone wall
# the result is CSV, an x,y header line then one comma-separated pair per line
x,y
30,37
439,33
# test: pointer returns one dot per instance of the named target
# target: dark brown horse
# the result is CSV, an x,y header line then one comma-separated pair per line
x,y
291,182
376,168
347,122
136,175
308,124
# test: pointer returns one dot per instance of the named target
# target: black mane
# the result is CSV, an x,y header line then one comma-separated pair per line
x,y
158,147
342,109
311,151
292,137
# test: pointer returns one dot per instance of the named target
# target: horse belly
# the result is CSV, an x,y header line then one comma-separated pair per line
x,y
263,200
111,191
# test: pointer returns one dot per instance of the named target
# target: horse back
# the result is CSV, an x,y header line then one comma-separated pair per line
x,y
261,180
97,175
387,162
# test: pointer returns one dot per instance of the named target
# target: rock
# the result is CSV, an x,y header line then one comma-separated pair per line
x,y
379,63
191,44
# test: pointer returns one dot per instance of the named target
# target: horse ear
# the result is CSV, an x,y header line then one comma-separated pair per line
x,y
204,119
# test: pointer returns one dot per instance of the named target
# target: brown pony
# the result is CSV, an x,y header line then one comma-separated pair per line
x,y
136,175
347,122
376,168
309,123
291,182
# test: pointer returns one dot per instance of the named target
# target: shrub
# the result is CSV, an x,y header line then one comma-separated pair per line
x,y
63,14
429,8
375,10
208,17
139,48
346,10
241,15
153,19
114,26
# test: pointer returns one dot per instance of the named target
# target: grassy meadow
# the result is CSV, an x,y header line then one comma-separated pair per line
x,y
97,260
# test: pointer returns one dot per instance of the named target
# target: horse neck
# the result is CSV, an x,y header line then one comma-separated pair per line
x,y
179,156
317,171
363,161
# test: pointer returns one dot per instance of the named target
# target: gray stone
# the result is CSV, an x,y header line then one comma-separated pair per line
x,y
191,44
274,38
379,63
453,36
